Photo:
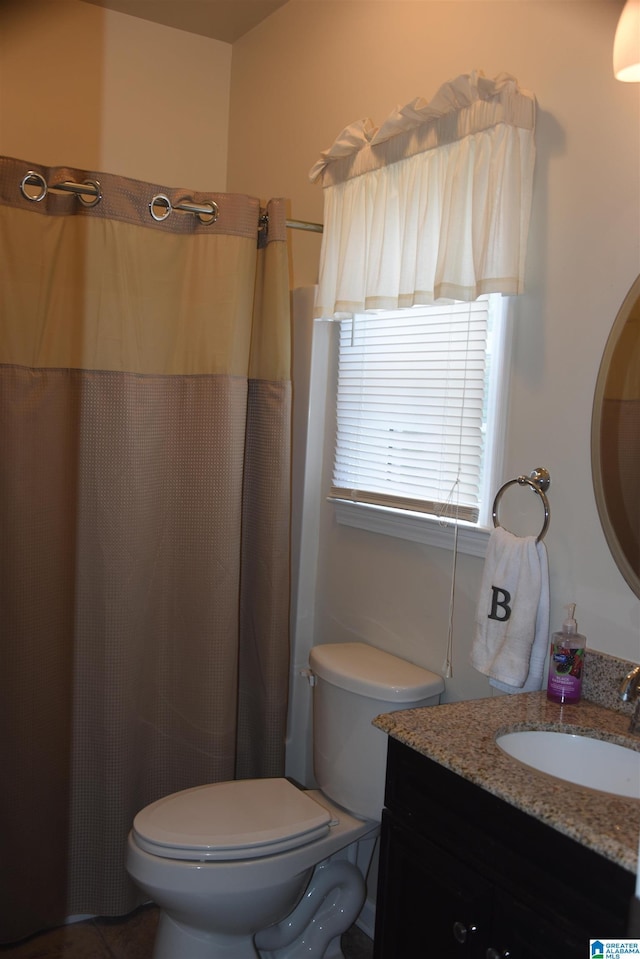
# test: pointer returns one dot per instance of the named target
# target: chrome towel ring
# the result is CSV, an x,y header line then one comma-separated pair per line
x,y
539,481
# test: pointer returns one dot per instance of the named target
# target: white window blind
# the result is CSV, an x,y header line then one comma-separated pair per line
x,y
412,403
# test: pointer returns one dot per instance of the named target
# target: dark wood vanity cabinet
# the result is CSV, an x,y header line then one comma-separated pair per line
x,y
464,874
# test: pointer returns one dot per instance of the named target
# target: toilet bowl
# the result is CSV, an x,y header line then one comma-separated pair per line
x,y
245,876
263,868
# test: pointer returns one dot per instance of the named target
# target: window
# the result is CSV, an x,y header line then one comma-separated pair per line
x,y
419,414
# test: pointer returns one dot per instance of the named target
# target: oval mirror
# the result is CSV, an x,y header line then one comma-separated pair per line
x,y
615,439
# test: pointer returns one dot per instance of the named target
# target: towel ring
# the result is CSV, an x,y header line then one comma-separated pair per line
x,y
539,481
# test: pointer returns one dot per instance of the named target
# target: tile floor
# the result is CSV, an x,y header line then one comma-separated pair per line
x,y
130,937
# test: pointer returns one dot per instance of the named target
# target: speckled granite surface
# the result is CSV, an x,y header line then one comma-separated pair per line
x,y
602,677
461,737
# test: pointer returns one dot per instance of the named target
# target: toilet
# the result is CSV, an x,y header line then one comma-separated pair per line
x,y
261,867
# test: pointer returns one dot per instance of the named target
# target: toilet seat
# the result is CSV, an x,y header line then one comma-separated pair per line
x,y
242,819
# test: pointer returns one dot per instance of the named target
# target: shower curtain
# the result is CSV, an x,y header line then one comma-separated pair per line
x,y
144,517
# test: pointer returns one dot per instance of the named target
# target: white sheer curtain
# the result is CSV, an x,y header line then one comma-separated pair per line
x,y
433,204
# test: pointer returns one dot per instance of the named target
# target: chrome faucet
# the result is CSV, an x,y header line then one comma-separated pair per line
x,y
629,692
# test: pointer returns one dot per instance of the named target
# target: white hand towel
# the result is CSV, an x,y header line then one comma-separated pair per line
x,y
512,617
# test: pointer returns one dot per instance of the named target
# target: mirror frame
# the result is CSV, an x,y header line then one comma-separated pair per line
x,y
631,575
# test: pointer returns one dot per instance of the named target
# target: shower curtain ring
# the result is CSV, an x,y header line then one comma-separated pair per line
x,y
161,200
211,217
33,178
97,193
207,212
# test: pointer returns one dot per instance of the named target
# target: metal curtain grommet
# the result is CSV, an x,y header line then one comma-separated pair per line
x,y
207,211
208,218
96,197
161,200
32,178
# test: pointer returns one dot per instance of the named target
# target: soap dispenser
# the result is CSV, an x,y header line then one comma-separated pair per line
x,y
566,661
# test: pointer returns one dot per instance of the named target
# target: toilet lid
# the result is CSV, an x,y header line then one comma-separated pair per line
x,y
243,819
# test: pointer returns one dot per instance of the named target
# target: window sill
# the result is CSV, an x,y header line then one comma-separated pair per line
x,y
417,527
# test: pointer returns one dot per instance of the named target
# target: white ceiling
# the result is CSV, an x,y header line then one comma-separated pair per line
x,y
226,20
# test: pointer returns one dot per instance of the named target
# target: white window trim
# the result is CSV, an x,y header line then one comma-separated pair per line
x,y
416,527
498,412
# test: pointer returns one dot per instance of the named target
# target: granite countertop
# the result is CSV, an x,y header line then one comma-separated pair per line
x,y
461,737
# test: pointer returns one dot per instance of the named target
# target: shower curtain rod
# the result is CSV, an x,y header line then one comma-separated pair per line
x,y
91,188
304,225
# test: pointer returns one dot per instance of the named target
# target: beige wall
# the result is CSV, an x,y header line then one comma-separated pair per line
x,y
85,87
316,65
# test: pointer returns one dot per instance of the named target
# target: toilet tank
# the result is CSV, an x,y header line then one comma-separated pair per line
x,y
354,683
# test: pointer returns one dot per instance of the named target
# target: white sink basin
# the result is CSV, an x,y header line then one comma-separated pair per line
x,y
581,760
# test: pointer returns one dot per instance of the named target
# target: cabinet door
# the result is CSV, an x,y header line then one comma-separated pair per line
x,y
525,932
429,904
464,875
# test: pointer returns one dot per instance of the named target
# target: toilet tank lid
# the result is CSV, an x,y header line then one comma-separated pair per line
x,y
360,668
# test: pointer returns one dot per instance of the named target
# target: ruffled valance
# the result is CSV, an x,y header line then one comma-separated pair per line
x,y
435,203
466,105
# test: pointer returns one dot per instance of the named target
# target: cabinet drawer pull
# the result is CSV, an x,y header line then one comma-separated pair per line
x,y
498,954
461,931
